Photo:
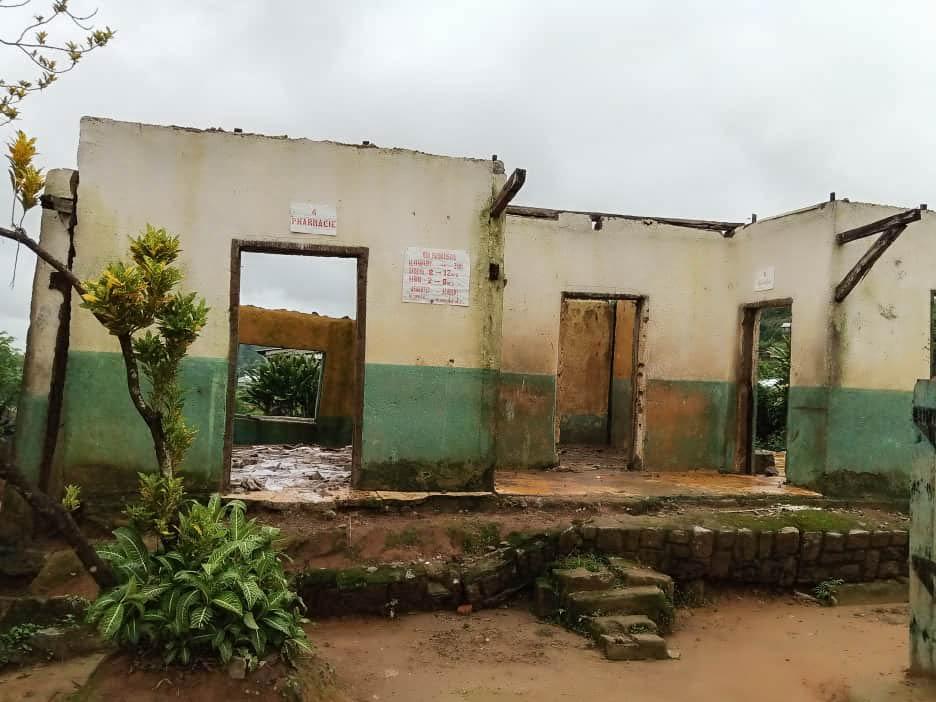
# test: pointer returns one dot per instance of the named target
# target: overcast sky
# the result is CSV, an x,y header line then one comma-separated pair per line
x,y
706,108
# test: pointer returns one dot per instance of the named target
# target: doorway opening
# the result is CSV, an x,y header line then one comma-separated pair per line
x,y
596,399
295,382
764,388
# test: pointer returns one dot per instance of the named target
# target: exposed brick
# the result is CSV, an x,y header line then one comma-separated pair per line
x,y
810,545
786,542
893,553
652,537
857,538
681,551
703,543
569,540
833,542
856,556
771,572
725,539
765,545
650,557
832,558
631,540
790,568
589,532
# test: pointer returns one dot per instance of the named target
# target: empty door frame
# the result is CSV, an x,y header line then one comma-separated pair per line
x,y
635,459
360,254
747,369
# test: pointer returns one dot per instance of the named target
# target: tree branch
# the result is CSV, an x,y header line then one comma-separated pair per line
x,y
150,416
20,236
62,520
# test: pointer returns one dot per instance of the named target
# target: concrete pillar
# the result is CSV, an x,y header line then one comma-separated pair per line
x,y
923,534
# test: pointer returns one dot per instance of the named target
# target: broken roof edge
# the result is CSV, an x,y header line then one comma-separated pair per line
x,y
546,213
498,164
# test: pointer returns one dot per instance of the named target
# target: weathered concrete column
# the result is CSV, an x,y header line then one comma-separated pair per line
x,y
44,321
923,534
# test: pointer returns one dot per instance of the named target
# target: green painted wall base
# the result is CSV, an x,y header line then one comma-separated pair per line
x,y
526,429
31,414
104,442
585,429
428,428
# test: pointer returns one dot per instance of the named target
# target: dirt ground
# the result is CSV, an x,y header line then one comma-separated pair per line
x,y
738,649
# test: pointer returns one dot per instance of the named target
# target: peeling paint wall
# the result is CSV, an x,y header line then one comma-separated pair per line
x,y
428,375
685,277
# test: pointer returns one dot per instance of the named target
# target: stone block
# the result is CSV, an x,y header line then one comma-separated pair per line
x,y
856,555
833,542
771,572
894,553
645,599
569,540
589,532
765,542
787,540
631,539
679,551
652,538
650,557
634,647
725,539
610,540
810,545
889,569
746,545
899,537
790,571
880,538
851,572
677,536
832,558
546,599
578,579
626,624
857,539
633,574
702,543
721,564
871,562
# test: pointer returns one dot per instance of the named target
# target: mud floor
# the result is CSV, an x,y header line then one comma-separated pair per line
x,y
738,649
276,467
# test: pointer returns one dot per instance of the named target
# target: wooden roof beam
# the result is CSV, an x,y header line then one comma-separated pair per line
x,y
725,228
861,269
881,225
508,192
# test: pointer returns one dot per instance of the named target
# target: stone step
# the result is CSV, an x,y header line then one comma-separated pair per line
x,y
582,579
641,599
630,573
625,624
634,647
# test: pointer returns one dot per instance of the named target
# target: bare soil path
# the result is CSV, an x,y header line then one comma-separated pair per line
x,y
738,649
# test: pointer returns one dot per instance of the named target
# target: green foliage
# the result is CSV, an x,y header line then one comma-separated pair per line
x,y
71,500
15,642
475,538
49,52
591,562
11,378
219,590
285,385
407,537
158,507
130,298
827,590
773,365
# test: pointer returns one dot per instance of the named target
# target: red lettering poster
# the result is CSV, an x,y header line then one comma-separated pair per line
x,y
436,276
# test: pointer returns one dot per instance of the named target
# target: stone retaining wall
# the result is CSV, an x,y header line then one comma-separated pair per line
x,y
783,558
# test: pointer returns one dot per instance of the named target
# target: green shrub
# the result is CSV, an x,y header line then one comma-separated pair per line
x,y
217,589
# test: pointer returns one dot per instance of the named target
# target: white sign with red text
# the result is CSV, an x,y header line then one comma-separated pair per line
x,y
305,218
436,276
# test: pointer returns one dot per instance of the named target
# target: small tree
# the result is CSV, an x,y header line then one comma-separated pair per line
x,y
11,377
286,384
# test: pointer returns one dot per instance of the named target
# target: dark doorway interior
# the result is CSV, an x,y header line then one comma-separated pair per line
x,y
764,388
596,377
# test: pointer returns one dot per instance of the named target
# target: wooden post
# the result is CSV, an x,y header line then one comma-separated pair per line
x,y
861,269
507,193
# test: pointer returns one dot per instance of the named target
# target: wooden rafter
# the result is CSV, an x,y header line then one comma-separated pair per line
x,y
507,193
861,269
881,225
725,228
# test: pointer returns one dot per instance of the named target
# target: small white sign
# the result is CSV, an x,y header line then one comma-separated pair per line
x,y
764,279
436,276
306,218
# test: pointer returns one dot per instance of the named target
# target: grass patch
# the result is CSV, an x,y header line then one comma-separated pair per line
x,y
591,562
405,538
804,520
475,538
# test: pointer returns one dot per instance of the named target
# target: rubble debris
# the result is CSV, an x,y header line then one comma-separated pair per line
x,y
282,466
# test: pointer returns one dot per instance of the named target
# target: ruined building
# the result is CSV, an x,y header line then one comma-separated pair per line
x,y
633,332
